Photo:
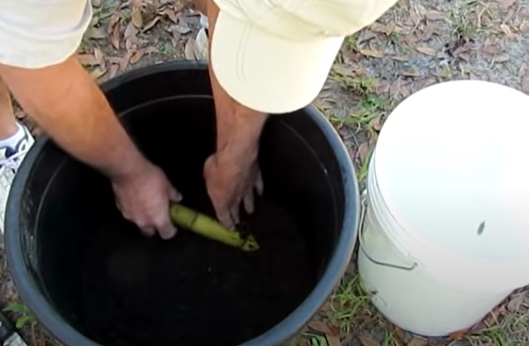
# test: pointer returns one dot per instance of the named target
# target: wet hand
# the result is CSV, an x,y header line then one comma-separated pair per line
x,y
233,178
144,198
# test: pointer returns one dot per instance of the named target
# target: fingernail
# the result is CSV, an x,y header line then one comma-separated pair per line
x,y
175,196
168,235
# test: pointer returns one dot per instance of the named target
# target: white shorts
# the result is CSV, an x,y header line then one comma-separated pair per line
x,y
40,33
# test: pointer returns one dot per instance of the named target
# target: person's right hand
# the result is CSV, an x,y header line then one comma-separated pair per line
x,y
232,177
144,198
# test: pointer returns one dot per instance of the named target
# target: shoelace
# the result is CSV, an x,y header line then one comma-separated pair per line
x,y
10,162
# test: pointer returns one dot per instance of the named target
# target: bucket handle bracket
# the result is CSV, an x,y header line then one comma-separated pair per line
x,y
362,242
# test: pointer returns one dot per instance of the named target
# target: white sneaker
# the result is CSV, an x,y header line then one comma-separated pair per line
x,y
201,41
10,159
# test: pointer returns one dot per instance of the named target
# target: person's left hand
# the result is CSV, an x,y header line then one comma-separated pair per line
x,y
232,177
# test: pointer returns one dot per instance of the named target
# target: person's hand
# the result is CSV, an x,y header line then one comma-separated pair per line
x,y
232,177
144,198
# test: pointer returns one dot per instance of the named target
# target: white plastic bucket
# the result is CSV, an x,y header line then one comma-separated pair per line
x,y
445,236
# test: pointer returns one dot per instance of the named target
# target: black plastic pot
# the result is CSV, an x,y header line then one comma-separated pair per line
x,y
55,200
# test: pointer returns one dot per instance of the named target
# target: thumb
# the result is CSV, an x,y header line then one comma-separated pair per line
x,y
174,195
167,230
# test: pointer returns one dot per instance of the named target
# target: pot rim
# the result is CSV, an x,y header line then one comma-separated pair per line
x,y
32,295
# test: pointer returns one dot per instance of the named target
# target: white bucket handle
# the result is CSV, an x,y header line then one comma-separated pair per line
x,y
361,240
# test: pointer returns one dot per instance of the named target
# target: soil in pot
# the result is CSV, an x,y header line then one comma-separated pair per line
x,y
189,290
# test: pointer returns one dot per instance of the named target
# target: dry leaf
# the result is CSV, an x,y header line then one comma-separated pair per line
x,y
124,62
130,37
95,20
114,20
521,72
113,71
115,37
98,72
121,62
525,82
342,71
395,88
136,15
373,53
87,59
136,55
506,30
505,4
115,60
399,58
333,340
490,48
501,58
98,54
376,123
189,49
410,39
434,15
182,29
463,48
459,335
399,333
516,302
411,72
320,326
130,32
178,5
151,24
417,341
368,341
381,28
150,50
327,306
362,151
382,88
171,14
137,18
96,33
427,51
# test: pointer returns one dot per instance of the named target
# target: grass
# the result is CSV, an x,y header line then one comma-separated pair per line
x,y
24,315
512,330
348,301
24,318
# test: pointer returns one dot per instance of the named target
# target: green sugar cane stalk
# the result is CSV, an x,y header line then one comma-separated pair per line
x,y
207,227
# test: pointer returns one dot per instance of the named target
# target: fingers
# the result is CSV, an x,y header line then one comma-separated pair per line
x,y
174,195
248,201
148,231
157,222
259,186
167,230
164,227
234,212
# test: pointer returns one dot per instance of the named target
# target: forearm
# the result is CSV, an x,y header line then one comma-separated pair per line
x,y
238,128
72,110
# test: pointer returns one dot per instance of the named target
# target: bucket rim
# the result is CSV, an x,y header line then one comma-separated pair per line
x,y
33,296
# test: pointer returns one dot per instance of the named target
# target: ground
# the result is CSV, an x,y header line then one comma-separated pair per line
x,y
415,44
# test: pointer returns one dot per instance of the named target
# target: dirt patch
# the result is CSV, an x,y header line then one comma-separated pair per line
x,y
151,292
